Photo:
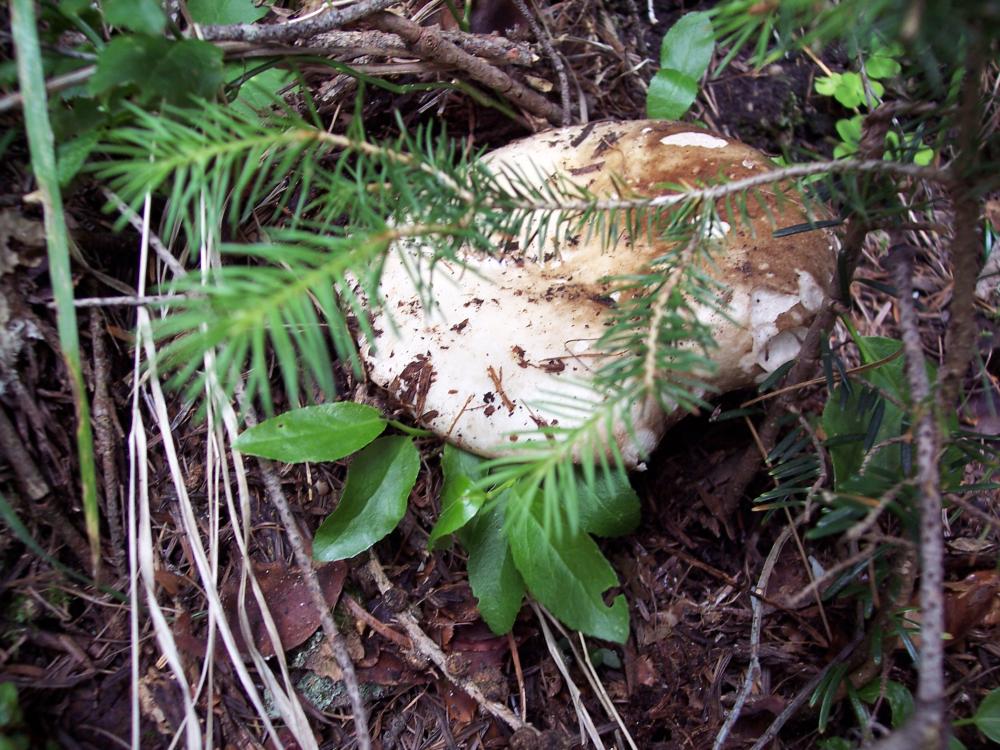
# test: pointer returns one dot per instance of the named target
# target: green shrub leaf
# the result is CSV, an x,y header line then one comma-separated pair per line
x,y
378,484
460,499
897,695
494,579
671,93
687,47
144,16
225,11
569,575
159,69
326,432
987,718
610,507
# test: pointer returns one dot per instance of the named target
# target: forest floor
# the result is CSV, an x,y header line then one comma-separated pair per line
x,y
687,572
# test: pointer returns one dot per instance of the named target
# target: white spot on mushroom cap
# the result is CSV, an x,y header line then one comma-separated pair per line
x,y
699,140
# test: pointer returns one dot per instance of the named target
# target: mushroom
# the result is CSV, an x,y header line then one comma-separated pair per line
x,y
507,331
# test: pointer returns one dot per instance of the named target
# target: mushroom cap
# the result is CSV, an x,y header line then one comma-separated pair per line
x,y
508,344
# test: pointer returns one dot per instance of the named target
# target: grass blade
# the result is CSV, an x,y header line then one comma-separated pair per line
x,y
43,163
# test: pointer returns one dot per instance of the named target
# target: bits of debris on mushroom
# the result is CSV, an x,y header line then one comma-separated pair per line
x,y
510,339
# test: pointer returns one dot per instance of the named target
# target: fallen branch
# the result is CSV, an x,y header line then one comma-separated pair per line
x,y
430,44
299,28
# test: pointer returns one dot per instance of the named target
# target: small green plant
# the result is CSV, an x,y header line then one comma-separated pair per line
x,y
901,706
12,736
505,535
863,92
685,54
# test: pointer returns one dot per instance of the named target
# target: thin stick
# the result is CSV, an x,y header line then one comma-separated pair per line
x,y
289,31
544,38
755,631
424,645
586,722
519,674
926,726
277,497
802,696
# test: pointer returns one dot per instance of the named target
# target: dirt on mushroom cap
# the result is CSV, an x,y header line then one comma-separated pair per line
x,y
509,345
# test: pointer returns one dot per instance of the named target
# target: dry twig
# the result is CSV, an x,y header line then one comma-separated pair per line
x,y
430,44
428,648
300,28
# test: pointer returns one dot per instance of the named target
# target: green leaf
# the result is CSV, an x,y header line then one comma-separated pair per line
x,y
378,484
897,695
671,93
878,66
220,12
159,69
687,47
849,130
460,499
260,93
827,85
327,432
494,579
569,575
144,16
987,717
850,90
10,710
610,507
924,157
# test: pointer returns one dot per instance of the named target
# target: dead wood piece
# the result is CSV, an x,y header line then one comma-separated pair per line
x,y
495,49
295,29
29,478
107,434
430,44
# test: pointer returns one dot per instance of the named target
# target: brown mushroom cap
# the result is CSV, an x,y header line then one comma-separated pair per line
x,y
512,333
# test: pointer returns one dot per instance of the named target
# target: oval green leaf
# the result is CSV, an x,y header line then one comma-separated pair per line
x,y
609,506
670,95
326,432
494,579
460,499
987,718
688,46
569,575
378,484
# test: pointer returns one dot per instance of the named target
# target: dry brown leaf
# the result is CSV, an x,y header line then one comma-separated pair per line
x,y
289,601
